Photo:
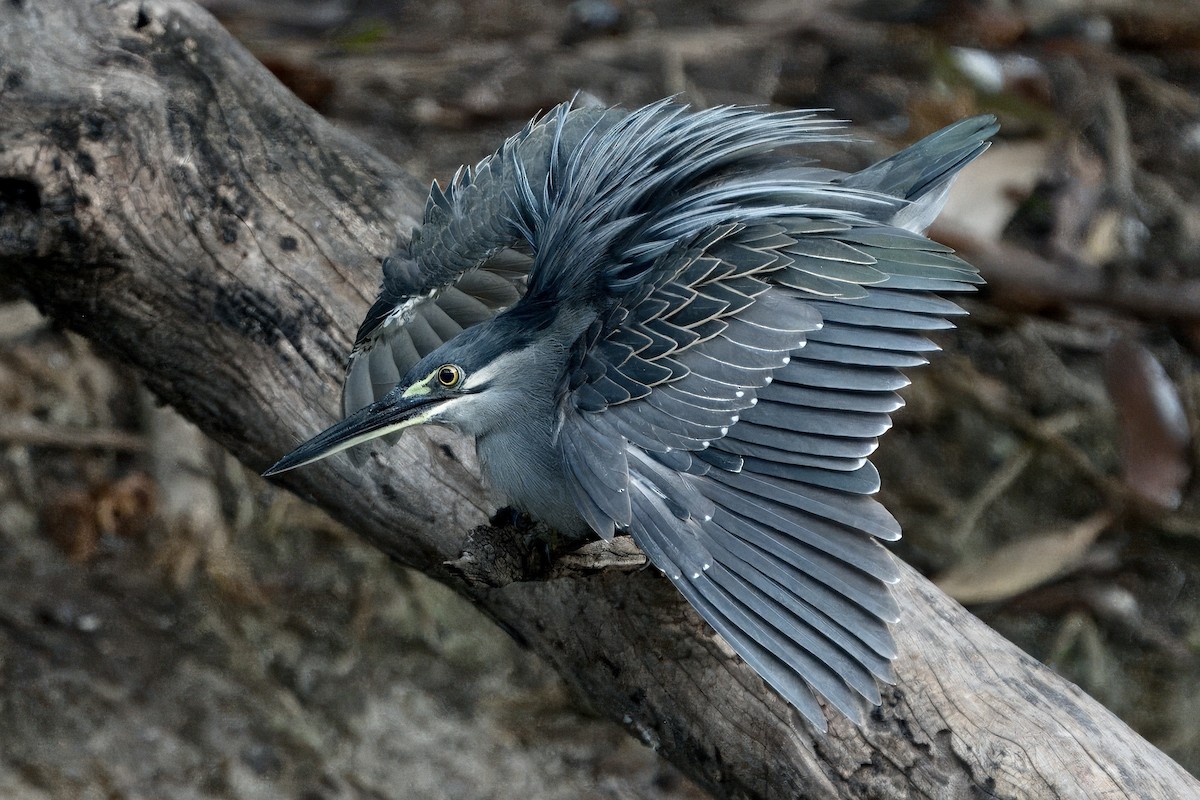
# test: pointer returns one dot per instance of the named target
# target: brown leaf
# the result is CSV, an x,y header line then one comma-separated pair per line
x,y
983,198
77,519
1154,434
71,523
125,506
1023,564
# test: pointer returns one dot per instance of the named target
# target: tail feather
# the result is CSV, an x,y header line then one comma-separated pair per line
x,y
923,172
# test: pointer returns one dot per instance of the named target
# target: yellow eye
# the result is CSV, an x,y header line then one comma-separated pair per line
x,y
449,376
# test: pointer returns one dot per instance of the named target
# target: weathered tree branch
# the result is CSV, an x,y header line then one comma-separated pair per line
x,y
163,195
1018,278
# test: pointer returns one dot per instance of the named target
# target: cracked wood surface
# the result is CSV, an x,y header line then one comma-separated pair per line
x,y
163,195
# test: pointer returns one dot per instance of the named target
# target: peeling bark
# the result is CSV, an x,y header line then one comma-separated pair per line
x,y
163,195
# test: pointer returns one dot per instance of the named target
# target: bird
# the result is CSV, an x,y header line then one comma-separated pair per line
x,y
672,324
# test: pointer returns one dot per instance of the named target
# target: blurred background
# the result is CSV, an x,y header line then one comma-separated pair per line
x,y
173,627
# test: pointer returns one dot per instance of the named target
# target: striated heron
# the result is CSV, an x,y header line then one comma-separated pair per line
x,y
655,322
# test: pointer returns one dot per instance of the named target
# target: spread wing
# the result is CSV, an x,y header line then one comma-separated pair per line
x,y
411,318
723,403
466,263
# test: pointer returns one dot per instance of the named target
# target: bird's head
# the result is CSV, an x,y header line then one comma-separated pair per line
x,y
474,382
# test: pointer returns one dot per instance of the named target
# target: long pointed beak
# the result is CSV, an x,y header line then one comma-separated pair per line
x,y
378,419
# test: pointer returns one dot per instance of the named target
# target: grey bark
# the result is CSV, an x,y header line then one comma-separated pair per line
x,y
163,195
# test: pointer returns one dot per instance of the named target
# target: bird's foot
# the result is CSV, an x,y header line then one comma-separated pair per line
x,y
515,548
